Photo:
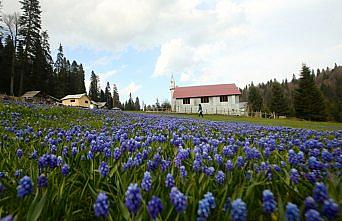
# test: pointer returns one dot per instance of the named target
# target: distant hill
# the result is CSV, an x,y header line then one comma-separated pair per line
x,y
328,80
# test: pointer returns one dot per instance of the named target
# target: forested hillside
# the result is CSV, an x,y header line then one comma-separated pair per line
x,y
279,97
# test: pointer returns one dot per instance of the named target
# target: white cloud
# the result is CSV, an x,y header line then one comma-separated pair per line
x,y
203,41
131,88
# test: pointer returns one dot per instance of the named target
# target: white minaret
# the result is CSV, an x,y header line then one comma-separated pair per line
x,y
172,90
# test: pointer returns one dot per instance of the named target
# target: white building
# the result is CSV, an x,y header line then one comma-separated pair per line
x,y
215,99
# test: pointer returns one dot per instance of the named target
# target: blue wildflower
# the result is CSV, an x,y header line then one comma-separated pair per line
x,y
312,215
227,205
34,154
197,165
117,153
269,204
208,170
101,206
103,169
207,203
25,187
220,177
320,193
169,181
292,212
330,209
294,176
154,207
309,203
146,183
7,218
229,165
42,181
178,200
65,169
240,162
183,171
19,153
133,198
239,210
2,188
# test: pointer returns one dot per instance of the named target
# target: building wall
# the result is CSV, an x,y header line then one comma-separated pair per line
x,y
81,102
213,107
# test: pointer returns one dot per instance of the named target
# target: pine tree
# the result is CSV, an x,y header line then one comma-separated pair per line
x,y
6,66
254,99
73,78
59,60
94,87
116,97
279,103
108,95
308,100
30,23
80,78
102,96
130,103
137,104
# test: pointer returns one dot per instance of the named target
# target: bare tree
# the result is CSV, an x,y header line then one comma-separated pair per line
x,y
12,24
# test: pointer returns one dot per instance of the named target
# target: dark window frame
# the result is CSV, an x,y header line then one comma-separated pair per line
x,y
224,98
72,101
186,100
86,102
204,100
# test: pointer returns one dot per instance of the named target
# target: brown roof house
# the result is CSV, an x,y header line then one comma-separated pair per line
x,y
39,97
77,100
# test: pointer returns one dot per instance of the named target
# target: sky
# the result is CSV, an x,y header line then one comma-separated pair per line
x,y
139,44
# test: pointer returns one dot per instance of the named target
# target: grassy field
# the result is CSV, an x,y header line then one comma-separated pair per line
x,y
290,122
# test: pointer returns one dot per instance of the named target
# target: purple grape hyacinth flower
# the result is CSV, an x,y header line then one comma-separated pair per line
x,y
320,193
330,209
65,169
104,169
309,203
146,183
313,215
101,206
169,181
205,205
178,200
42,181
292,212
154,207
133,198
220,177
25,187
239,210
269,204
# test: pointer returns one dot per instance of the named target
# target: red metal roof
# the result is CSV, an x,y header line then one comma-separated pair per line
x,y
206,91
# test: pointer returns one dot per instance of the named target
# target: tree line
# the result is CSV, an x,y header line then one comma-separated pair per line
x,y
99,95
25,57
314,96
26,63
112,100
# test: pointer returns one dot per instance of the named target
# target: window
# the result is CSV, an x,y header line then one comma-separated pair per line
x,y
72,101
204,99
186,100
86,102
224,98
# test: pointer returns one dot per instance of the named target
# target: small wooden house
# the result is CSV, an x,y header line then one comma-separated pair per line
x,y
39,97
77,100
